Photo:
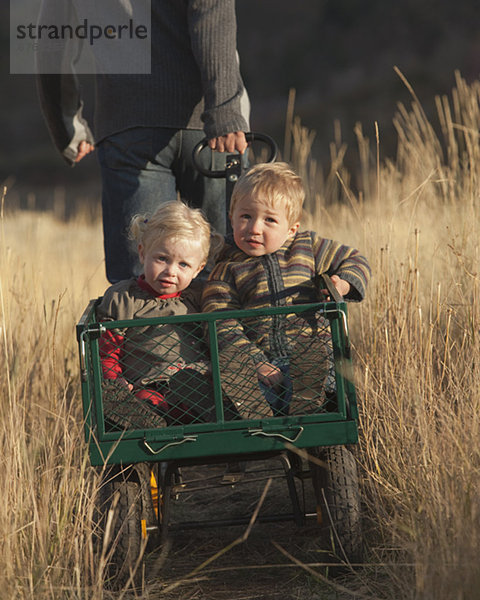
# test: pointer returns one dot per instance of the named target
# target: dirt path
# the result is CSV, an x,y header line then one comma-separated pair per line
x,y
255,568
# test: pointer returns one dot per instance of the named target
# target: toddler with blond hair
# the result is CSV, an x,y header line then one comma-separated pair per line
x,y
270,263
160,365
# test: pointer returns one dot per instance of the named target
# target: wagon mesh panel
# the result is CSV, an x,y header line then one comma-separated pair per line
x,y
180,393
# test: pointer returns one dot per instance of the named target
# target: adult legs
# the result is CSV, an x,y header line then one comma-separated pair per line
x,y
143,167
136,178
196,189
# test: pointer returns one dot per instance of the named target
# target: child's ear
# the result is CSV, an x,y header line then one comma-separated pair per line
x,y
294,228
200,267
141,253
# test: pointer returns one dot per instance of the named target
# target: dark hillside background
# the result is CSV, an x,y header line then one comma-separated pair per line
x,y
337,54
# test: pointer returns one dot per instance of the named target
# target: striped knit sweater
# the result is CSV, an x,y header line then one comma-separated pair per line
x,y
282,278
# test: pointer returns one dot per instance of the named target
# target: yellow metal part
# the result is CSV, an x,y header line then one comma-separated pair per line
x,y
154,492
144,529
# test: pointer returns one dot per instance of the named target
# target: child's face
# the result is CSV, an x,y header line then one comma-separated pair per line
x,y
170,265
260,229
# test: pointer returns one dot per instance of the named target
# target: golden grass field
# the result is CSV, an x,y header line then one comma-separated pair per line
x,y
417,349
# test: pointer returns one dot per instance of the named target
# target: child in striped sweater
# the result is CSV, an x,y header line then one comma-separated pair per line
x,y
270,263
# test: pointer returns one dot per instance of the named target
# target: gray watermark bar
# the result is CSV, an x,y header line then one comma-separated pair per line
x,y
80,36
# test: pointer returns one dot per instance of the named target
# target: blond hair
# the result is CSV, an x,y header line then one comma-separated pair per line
x,y
172,220
275,183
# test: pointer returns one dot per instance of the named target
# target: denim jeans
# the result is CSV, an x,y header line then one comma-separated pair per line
x,y
143,167
279,400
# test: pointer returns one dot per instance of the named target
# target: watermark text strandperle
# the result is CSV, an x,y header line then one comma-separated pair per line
x,y
83,31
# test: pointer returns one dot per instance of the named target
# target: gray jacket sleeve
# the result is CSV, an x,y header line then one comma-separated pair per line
x,y
58,86
213,33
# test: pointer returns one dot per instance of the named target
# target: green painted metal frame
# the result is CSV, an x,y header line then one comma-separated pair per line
x,y
222,438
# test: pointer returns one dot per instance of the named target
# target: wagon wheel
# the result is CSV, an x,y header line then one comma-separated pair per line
x,y
338,501
128,520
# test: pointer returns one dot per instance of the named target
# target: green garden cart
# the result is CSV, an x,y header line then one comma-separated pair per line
x,y
221,417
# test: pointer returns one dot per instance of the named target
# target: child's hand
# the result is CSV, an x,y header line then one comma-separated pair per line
x,y
342,286
124,382
269,375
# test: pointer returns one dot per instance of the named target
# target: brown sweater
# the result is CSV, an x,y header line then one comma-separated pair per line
x,y
150,353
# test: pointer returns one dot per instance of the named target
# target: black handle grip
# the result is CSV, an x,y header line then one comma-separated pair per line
x,y
324,280
250,137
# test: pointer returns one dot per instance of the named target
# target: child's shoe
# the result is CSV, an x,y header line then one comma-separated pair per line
x,y
123,410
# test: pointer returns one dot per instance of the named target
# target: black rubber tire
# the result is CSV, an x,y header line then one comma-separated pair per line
x,y
126,541
337,494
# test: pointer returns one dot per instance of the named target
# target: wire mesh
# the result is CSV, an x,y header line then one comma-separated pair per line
x,y
161,375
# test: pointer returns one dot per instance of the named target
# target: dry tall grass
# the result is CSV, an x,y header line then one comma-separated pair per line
x,y
417,350
417,341
48,271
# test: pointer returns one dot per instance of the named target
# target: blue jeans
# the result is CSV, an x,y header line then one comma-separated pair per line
x,y
143,167
279,400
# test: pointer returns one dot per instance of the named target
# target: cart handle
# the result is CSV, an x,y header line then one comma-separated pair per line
x,y
332,290
278,435
190,438
250,137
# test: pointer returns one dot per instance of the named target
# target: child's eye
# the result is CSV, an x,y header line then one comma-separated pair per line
x,y
270,220
184,265
245,216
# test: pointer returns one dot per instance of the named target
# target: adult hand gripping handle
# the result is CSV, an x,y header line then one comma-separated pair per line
x,y
250,137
